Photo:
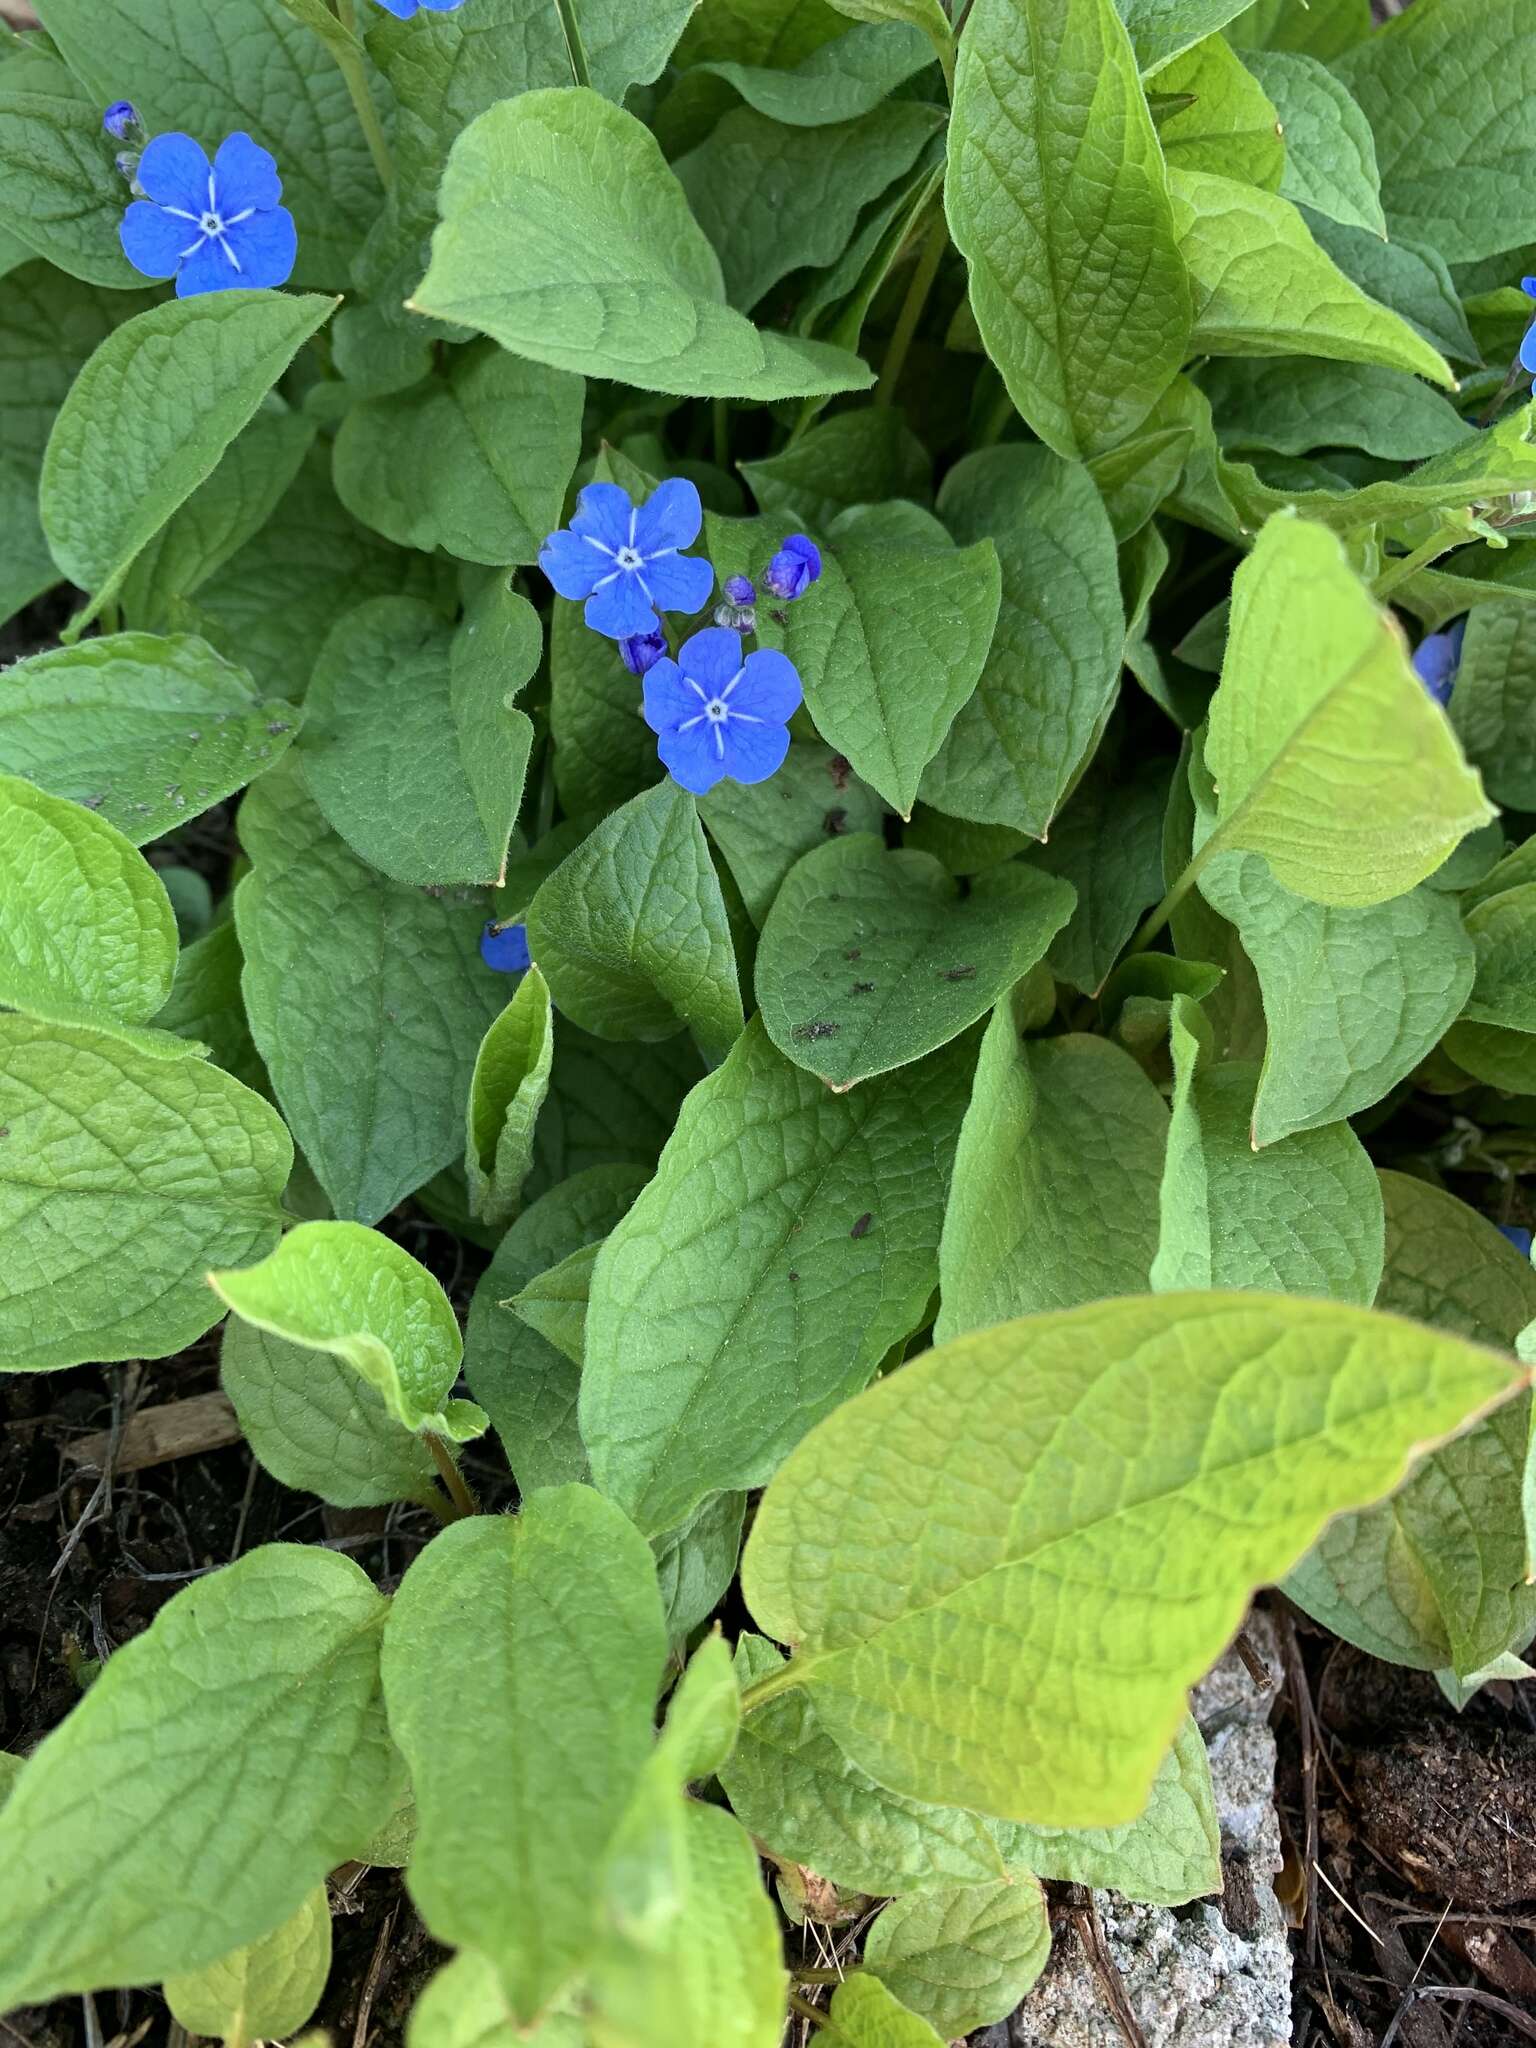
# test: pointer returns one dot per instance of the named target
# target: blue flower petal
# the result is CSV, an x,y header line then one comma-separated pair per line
x,y
1528,286
693,759
441,6
620,610
769,688
712,657
604,512
1528,350
670,517
754,752
207,269
402,10
266,247
667,697
245,176
153,241
505,947
174,171
573,565
679,583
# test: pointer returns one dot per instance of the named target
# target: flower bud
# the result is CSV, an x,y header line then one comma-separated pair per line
x,y
794,568
121,121
642,651
738,613
505,947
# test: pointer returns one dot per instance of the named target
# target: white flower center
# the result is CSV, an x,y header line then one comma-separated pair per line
x,y
630,559
717,709
211,224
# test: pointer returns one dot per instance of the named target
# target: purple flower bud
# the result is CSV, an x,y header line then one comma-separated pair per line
x,y
794,568
505,947
642,651
1528,286
1520,1239
121,120
741,590
1436,660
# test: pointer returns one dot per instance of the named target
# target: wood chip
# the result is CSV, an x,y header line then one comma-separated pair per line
x,y
180,1429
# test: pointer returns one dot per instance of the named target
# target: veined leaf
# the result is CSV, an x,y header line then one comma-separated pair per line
x,y
1058,198
466,2006
343,1288
867,2015
506,1093
1503,930
1317,707
567,238
1232,128
1493,707
1160,29
719,1332
837,81
854,458
1027,1653
61,198
282,1768
1330,155
264,1990
965,1957
763,828
1292,406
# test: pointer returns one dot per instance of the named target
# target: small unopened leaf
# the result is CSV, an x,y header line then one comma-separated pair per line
x,y
343,1288
511,1079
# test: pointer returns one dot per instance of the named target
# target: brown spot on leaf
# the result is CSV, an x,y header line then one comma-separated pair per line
x,y
862,988
840,768
861,1228
804,1034
958,974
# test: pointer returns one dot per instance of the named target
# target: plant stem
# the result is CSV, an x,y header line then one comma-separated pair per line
x,y
1154,921
929,258
821,1976
769,1686
1399,570
453,1479
349,62
807,2011
575,49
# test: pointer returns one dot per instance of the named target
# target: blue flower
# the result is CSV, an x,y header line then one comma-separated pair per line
x,y
641,651
213,227
1436,660
625,559
505,947
402,10
740,590
1520,1239
121,120
717,714
794,568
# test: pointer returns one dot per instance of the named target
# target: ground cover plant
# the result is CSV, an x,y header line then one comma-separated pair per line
x,y
779,821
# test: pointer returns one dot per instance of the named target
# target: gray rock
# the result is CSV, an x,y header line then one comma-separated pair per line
x,y
1192,1979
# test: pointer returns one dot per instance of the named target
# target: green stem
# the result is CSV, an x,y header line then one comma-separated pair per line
x,y
1154,921
575,49
821,1976
769,1686
1398,571
929,258
452,1478
348,53
807,2011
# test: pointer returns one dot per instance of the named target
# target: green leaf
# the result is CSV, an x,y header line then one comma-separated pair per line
x,y
476,460
367,1001
1323,28
143,731
1294,405
1458,165
788,1781
62,199
237,64
822,179
854,458
866,2015
540,1638
206,1005
1493,707
712,1345
1232,128
87,933
838,81
927,15
763,828
567,238
1087,1551
696,1564
1301,1217
605,753
497,645
1167,1856
630,930
891,648
1076,280
1056,1178
126,449
1354,999
272,605
316,1426
1018,744
348,1290
1263,287
1436,1577
1330,156
1408,276
1318,707
1160,29
965,1957
267,1988
510,1082
281,1768
526,1384
703,1714
1108,845
389,761
465,2006
1502,929
609,1104
870,959
554,1303
123,1176
1504,1059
